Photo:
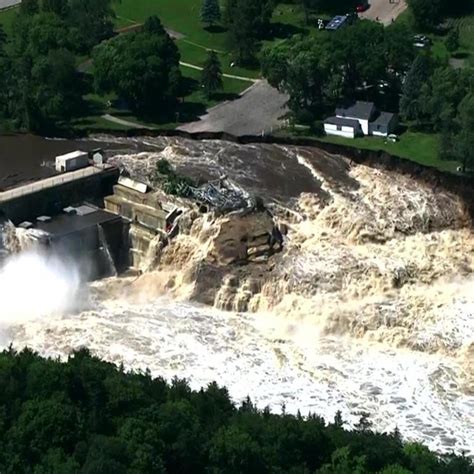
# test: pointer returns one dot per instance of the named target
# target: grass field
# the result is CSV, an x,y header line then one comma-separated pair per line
x,y
419,147
182,16
6,18
466,36
465,25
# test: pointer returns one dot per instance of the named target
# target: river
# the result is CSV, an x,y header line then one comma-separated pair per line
x,y
369,309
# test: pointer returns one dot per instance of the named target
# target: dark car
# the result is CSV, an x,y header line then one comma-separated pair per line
x,y
362,7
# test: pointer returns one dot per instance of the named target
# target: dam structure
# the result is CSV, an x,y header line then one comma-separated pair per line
x,y
64,213
86,211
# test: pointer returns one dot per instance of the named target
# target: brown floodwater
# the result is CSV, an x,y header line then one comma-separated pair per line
x,y
25,158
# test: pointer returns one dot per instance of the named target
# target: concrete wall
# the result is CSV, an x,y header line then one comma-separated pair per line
x,y
53,199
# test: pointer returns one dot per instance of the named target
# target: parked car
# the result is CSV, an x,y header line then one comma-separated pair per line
x,y
392,138
421,41
362,7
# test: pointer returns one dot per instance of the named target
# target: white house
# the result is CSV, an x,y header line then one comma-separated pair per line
x,y
343,127
361,118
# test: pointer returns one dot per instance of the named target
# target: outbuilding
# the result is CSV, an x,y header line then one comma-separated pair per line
x,y
72,161
385,124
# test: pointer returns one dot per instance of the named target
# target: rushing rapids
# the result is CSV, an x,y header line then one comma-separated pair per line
x,y
369,307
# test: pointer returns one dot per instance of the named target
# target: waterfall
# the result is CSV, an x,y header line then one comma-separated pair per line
x,y
112,269
14,240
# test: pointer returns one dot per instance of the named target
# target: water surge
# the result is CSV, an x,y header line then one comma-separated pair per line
x,y
369,307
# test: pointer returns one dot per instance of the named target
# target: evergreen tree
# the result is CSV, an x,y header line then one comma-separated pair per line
x,y
210,12
410,103
211,79
248,22
427,13
3,40
465,138
452,41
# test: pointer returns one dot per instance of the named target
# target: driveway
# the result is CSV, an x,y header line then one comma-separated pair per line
x,y
259,109
384,10
8,3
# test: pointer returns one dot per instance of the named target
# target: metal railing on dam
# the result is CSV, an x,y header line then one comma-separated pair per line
x,y
52,182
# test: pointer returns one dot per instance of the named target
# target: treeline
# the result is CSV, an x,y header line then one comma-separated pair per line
x,y
39,82
440,99
140,67
90,417
429,13
364,60
42,83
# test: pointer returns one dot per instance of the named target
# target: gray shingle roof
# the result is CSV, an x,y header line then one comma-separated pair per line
x,y
343,122
383,119
361,110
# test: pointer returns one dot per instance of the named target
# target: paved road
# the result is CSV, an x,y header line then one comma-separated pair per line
x,y
8,3
230,76
384,11
123,122
260,108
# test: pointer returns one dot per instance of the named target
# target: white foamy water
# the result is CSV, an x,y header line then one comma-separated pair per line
x,y
35,285
370,307
275,361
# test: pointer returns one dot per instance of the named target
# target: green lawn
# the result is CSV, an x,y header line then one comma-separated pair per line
x,y
181,16
466,36
192,54
419,147
415,146
6,18
193,105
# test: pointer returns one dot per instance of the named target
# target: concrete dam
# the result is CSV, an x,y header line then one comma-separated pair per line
x,y
83,214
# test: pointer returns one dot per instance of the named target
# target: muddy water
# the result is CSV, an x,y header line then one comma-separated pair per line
x,y
370,309
26,158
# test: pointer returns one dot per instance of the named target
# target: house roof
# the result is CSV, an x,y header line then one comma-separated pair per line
x,y
343,122
360,110
383,119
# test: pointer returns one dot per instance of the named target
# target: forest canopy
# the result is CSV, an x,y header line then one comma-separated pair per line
x,y
89,416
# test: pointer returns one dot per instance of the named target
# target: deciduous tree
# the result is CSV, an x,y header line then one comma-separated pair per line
x,y
141,67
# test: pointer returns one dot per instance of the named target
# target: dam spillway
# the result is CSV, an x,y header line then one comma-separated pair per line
x,y
368,308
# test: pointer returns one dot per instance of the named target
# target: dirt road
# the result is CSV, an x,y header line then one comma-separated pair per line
x,y
258,110
384,11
